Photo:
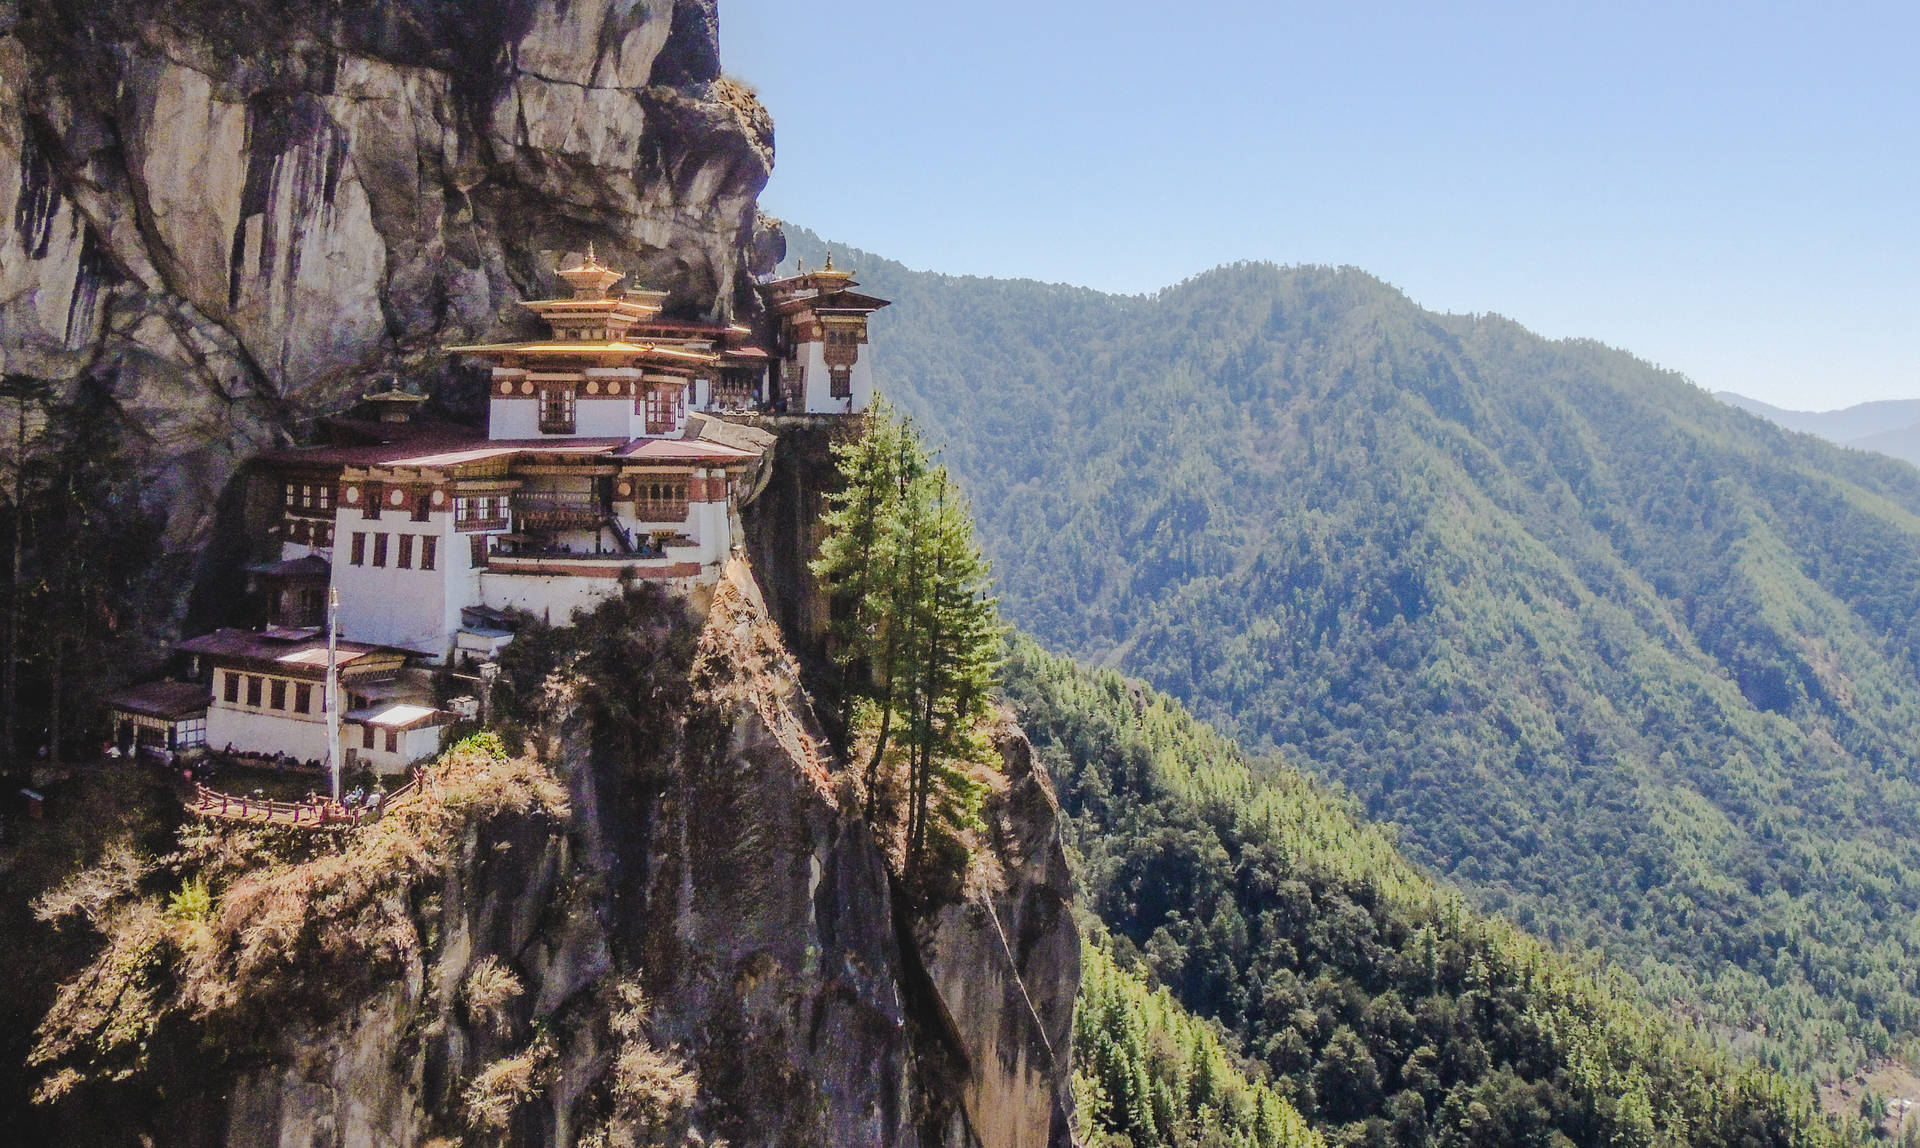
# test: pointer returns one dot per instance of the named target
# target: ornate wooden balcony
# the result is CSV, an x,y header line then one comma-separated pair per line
x,y
554,510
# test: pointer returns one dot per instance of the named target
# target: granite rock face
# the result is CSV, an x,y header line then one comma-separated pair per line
x,y
726,870
1004,962
236,213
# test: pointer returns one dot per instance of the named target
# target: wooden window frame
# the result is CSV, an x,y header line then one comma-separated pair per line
x,y
559,408
231,692
429,551
404,559
380,551
255,687
359,555
276,693
303,697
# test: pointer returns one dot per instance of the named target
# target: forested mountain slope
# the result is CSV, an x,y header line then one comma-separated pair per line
x,y
1637,669
1387,1011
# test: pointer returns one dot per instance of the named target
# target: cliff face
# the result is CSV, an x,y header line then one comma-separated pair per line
x,y
707,859
232,212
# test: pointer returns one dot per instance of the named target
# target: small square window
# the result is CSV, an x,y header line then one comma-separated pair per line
x,y
556,410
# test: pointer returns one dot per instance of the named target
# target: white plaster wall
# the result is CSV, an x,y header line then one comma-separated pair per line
x,y
414,609
512,418
463,582
273,731
607,418
552,598
820,400
414,745
710,529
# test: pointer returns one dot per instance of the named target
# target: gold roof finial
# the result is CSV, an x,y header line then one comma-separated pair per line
x,y
590,278
832,272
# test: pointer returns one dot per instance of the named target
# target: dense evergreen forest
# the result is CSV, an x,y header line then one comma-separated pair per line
x,y
1375,1003
1638,670
1382,1007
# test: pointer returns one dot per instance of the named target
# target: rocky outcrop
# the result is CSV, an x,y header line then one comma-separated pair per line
x,y
708,854
784,963
1005,961
234,212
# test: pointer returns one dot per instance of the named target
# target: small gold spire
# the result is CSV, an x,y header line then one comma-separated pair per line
x,y
829,265
590,278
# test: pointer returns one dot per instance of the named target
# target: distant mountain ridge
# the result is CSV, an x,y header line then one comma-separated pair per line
x,y
1890,426
1635,668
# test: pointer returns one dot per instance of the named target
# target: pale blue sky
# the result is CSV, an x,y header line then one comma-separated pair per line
x,y
1730,190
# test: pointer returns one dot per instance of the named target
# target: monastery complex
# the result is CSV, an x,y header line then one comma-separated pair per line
x,y
615,450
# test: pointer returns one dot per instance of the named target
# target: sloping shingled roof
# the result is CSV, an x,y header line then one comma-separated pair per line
x,y
168,701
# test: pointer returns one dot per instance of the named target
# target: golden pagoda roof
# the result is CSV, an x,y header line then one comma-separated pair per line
x,y
590,278
585,349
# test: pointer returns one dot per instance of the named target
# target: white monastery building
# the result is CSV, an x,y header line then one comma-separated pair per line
x,y
603,461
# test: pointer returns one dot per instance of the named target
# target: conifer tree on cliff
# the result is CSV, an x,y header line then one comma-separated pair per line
x,y
919,639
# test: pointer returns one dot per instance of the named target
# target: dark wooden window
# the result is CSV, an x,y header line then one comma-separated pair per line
x,y
660,501
359,557
429,551
277,695
375,494
233,688
478,542
303,698
556,410
379,550
253,690
393,741
366,737
405,561
422,506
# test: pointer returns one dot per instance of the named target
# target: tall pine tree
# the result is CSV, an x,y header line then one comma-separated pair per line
x,y
918,637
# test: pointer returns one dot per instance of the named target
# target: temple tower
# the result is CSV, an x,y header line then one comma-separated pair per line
x,y
822,366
